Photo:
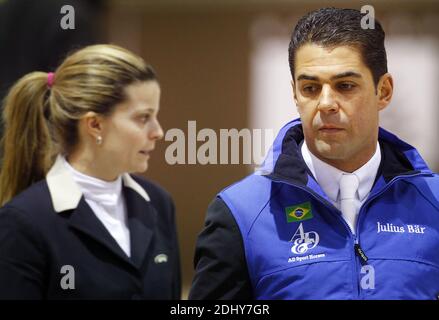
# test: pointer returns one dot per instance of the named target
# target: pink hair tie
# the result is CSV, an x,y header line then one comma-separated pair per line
x,y
50,79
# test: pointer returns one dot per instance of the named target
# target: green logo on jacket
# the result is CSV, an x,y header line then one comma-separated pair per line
x,y
300,212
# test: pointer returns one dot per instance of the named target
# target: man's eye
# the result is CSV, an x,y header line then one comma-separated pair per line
x,y
311,88
345,86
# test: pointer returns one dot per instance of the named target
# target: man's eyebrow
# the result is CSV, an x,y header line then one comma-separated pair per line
x,y
346,74
307,77
337,76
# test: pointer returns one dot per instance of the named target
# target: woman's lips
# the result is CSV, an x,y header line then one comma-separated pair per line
x,y
145,152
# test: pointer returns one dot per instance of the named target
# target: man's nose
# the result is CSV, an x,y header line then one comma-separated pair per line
x,y
327,102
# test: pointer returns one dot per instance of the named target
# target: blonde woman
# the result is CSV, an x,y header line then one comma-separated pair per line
x,y
75,224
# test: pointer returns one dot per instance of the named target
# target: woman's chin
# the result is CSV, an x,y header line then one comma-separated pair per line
x,y
142,167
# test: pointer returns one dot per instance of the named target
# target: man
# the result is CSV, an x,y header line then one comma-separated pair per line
x,y
341,209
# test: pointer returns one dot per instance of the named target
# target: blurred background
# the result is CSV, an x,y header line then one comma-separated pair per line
x,y
224,64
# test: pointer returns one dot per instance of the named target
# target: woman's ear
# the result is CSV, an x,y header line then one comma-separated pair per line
x,y
385,90
93,124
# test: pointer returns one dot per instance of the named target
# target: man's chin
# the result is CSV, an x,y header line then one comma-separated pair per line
x,y
330,151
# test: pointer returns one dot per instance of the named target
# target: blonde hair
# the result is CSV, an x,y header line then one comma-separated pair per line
x,y
40,122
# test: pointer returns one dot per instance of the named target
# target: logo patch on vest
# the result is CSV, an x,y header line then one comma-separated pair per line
x,y
300,212
304,241
408,228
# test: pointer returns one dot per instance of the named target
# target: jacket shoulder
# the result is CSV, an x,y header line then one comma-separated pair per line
x,y
33,200
158,195
428,187
154,190
247,198
254,182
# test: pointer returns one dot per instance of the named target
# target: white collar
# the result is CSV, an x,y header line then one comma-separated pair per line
x,y
328,177
106,193
66,194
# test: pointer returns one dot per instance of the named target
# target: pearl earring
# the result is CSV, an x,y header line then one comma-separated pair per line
x,y
99,140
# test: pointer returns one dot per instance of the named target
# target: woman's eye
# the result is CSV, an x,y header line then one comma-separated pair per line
x,y
144,118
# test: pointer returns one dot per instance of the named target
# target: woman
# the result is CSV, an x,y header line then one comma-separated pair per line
x,y
75,224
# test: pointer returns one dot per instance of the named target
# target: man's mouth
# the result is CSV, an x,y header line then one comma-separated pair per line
x,y
330,129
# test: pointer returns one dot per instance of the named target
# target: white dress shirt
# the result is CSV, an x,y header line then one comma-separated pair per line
x,y
107,202
328,177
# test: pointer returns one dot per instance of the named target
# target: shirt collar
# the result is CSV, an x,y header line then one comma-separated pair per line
x,y
328,176
106,193
65,192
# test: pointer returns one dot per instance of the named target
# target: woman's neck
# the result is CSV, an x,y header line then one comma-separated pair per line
x,y
91,165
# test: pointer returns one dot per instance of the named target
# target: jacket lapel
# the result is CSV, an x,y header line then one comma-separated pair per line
x,y
84,220
141,222
141,215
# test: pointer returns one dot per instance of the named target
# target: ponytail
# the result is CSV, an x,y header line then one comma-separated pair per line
x,y
26,146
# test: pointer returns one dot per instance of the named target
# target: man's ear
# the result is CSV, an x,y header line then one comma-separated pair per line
x,y
93,124
384,91
293,88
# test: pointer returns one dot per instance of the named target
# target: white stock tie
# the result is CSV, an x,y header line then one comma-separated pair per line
x,y
348,190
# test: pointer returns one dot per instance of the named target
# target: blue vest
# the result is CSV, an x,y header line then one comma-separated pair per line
x,y
298,246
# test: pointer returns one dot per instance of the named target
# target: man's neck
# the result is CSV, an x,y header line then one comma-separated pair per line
x,y
349,164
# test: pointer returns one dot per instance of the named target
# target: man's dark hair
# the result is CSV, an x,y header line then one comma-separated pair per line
x,y
331,27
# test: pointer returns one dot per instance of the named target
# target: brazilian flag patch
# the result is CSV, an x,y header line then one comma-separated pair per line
x,y
300,212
